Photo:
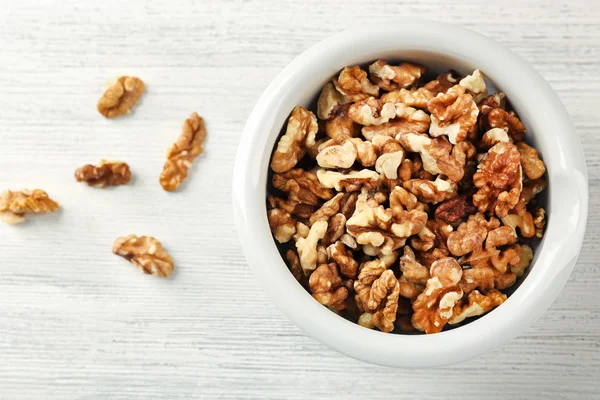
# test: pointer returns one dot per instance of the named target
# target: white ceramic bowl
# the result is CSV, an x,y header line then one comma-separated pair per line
x,y
437,46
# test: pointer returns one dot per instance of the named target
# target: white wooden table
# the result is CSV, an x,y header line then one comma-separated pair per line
x,y
78,322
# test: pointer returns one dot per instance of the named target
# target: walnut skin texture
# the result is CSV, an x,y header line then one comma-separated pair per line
x,y
106,173
181,153
404,205
146,253
120,98
14,205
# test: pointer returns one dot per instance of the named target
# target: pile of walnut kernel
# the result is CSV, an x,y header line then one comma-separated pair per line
x,y
406,204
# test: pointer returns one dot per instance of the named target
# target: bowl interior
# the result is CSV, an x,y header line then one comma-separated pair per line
x,y
436,64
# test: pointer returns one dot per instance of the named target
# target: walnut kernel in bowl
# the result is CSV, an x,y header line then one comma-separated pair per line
x,y
406,203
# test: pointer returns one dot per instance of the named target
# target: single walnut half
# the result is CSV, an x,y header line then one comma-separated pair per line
x,y
106,173
299,135
494,100
337,156
329,99
470,235
475,85
326,286
539,220
377,292
339,253
435,306
408,119
431,192
443,82
476,304
146,253
390,77
509,122
493,136
120,98
389,161
340,127
383,230
300,210
520,218
282,225
435,155
293,262
533,167
499,180
412,270
417,98
453,114
354,85
349,182
181,153
14,205
455,209
302,186
307,245
371,111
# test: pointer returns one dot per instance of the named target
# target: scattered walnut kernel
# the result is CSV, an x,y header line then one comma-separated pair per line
x,y
146,253
106,173
181,153
14,205
406,205
120,98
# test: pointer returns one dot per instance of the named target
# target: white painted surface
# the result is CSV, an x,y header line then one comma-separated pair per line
x,y
78,322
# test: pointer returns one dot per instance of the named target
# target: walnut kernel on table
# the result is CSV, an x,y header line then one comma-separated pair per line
x,y
106,173
181,153
146,253
406,204
15,204
120,98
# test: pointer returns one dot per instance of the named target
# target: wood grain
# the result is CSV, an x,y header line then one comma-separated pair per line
x,y
78,322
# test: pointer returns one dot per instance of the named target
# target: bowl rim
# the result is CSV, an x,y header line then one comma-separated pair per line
x,y
557,255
